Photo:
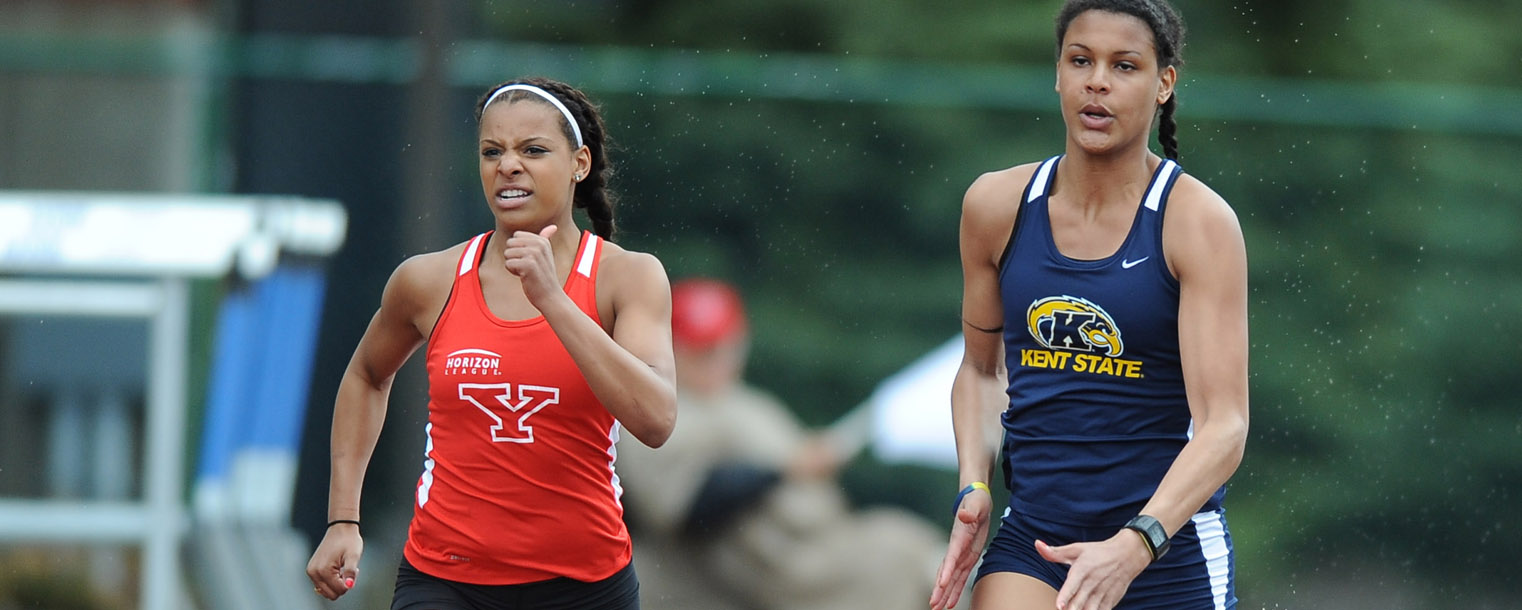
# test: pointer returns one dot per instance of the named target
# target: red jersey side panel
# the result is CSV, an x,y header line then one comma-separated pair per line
x,y
518,483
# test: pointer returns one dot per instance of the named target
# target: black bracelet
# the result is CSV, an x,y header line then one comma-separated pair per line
x,y
338,521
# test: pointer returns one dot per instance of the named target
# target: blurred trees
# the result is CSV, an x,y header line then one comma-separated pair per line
x,y
1385,292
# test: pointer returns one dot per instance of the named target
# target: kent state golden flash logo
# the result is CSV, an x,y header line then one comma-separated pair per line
x,y
1078,336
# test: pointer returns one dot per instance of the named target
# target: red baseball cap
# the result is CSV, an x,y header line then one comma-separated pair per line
x,y
705,312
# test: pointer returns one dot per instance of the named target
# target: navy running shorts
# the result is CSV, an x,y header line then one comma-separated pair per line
x,y
1197,573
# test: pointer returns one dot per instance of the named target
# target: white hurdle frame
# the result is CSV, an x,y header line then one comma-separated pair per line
x,y
157,523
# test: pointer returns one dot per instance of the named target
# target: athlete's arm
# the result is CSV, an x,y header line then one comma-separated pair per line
x,y
408,307
977,391
632,372
393,335
1205,248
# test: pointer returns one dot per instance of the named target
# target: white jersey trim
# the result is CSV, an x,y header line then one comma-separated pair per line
x,y
588,256
425,482
1155,194
1038,185
468,262
618,488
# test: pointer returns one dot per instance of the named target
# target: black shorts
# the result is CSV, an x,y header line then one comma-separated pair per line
x,y
418,591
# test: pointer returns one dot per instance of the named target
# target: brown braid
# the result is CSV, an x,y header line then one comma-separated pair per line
x,y
1167,127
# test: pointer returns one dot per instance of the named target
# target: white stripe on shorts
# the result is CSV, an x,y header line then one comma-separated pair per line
x,y
1212,533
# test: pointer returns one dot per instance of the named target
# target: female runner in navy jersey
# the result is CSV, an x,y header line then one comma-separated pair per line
x,y
542,342
1109,288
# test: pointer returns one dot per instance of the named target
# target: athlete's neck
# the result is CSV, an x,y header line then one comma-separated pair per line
x,y
564,244
1094,183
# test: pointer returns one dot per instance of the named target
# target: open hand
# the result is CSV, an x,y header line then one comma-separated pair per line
x,y
1099,572
968,533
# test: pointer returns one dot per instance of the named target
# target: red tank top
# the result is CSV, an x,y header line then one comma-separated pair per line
x,y
518,483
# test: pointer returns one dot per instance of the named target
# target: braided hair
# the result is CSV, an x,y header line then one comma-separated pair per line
x,y
1168,38
592,194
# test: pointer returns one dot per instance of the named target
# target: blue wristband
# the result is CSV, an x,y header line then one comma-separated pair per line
x,y
957,505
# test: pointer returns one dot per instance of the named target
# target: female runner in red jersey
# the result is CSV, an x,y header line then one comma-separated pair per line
x,y
542,341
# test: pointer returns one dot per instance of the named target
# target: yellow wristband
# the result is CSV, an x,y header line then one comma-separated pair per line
x,y
957,505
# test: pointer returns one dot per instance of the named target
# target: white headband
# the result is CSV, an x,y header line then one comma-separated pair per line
x,y
541,93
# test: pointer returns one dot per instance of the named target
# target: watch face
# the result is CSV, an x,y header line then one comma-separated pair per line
x,y
1152,530
1161,549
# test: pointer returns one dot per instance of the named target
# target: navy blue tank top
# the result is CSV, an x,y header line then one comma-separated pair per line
x,y
1097,411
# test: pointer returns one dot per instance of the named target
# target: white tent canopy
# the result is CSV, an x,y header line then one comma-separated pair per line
x,y
907,419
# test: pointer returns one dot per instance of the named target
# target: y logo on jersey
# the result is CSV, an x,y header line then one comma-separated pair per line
x,y
496,401
1079,336
1073,324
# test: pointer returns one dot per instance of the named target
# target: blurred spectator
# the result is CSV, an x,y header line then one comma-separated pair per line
x,y
743,501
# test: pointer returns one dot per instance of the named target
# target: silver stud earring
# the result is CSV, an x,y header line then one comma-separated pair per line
x,y
578,177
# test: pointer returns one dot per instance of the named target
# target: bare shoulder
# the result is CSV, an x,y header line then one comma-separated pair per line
x,y
628,276
1200,229
989,208
420,286
998,191
621,263
425,273
1197,207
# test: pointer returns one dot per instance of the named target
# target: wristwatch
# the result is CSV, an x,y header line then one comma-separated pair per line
x,y
1152,533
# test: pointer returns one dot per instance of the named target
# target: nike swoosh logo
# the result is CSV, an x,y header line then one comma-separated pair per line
x,y
1129,264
